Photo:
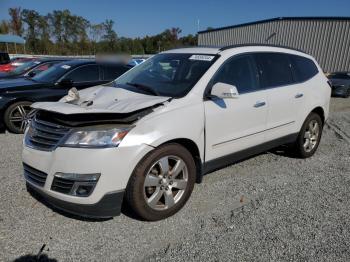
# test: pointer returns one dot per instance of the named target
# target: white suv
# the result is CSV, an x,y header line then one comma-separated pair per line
x,y
150,135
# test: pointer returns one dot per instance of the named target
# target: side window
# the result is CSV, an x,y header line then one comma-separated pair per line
x,y
275,69
112,72
303,68
238,71
84,74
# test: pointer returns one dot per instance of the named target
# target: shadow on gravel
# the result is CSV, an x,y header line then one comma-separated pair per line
x,y
40,199
284,151
35,258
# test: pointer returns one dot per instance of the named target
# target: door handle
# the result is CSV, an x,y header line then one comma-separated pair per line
x,y
299,95
259,104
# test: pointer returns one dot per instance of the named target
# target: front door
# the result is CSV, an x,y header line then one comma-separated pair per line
x,y
235,124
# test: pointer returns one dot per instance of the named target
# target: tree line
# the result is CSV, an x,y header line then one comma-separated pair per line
x,y
63,33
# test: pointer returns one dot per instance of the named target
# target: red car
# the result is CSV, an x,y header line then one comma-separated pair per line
x,y
14,63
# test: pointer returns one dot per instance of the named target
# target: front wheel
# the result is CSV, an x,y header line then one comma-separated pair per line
x,y
17,116
162,182
309,136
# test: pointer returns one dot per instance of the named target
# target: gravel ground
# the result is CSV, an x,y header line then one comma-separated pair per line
x,y
268,208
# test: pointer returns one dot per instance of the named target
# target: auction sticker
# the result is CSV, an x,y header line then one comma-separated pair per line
x,y
65,66
202,57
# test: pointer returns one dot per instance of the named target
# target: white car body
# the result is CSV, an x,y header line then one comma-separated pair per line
x,y
219,132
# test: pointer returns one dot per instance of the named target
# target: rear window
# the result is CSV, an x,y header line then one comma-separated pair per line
x,y
303,68
275,69
4,58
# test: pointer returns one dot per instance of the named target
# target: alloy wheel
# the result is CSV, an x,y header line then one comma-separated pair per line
x,y
311,136
20,117
165,183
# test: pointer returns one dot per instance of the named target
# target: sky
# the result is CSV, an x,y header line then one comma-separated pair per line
x,y
136,18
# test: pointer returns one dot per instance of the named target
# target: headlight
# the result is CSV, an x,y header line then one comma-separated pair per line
x,y
96,137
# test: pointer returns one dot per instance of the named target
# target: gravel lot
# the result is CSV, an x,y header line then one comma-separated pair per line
x,y
268,208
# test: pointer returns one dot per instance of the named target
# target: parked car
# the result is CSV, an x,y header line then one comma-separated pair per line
x,y
14,63
17,95
150,135
30,68
340,82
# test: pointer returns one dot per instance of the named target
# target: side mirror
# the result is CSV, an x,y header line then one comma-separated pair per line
x,y
222,90
66,82
31,74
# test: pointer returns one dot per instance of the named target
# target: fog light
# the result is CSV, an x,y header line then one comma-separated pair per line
x,y
81,185
84,190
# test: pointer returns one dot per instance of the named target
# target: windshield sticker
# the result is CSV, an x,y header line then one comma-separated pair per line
x,y
202,57
65,66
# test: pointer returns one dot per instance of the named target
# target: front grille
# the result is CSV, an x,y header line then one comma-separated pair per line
x,y
62,185
34,176
43,135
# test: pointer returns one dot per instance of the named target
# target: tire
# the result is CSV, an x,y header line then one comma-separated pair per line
x,y
308,141
150,181
16,116
347,93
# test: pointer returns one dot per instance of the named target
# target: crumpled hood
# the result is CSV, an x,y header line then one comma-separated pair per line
x,y
103,99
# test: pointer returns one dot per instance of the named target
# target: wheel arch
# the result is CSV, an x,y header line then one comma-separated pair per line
x,y
320,111
192,147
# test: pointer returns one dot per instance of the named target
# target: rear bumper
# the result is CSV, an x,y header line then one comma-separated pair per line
x,y
109,205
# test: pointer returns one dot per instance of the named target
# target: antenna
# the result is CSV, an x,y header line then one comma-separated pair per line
x,y
197,25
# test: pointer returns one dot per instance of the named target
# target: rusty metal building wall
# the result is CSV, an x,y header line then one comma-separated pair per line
x,y
328,40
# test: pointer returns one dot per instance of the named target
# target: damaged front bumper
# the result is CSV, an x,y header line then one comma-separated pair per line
x,y
114,166
109,206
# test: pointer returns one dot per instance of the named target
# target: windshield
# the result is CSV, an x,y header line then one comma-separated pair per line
x,y
24,67
171,75
52,74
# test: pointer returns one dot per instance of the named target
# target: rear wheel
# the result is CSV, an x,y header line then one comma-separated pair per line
x,y
309,136
17,116
162,182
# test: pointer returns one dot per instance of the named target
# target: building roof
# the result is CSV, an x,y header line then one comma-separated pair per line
x,y
325,18
12,39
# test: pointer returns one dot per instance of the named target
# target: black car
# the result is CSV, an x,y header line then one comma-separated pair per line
x,y
17,95
340,82
30,68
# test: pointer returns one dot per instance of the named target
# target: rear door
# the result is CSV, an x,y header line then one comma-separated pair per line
x,y
236,124
284,96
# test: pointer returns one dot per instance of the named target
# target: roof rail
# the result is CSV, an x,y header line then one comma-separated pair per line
x,y
269,45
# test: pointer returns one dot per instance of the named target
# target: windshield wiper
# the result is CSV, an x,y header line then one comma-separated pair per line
x,y
143,87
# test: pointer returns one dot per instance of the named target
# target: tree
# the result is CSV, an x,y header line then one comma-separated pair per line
x,y
30,17
4,27
43,30
63,33
96,32
16,25
110,35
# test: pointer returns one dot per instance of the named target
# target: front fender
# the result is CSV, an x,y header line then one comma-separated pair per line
x,y
185,122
